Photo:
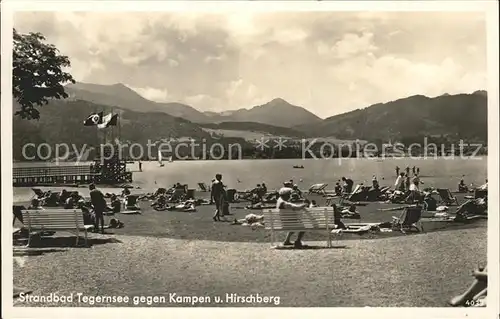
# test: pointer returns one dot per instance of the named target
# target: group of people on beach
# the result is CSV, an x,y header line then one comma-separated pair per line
x,y
415,170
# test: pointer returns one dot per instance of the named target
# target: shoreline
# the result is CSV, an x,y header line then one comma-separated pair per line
x,y
430,157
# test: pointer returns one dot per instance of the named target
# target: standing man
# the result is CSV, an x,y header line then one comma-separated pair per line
x,y
99,202
140,166
218,196
397,170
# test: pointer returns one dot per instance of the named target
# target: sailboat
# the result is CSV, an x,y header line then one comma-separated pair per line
x,y
159,159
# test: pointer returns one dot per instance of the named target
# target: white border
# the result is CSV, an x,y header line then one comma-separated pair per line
x,y
490,7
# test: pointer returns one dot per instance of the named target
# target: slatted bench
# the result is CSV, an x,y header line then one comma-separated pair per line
x,y
307,219
70,220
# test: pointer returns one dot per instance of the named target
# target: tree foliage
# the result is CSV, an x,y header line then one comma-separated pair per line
x,y
38,73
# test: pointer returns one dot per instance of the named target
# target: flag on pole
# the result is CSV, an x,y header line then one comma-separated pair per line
x,y
113,121
93,119
108,120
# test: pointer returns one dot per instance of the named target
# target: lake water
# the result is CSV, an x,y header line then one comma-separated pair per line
x,y
245,174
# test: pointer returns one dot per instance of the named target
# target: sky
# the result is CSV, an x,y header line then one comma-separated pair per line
x,y
326,62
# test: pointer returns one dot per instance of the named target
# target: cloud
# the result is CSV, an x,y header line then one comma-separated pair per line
x,y
328,62
352,44
152,94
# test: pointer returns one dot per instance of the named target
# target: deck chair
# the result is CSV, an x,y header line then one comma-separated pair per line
x,y
178,195
446,196
360,193
410,218
131,202
204,187
480,193
38,192
52,200
318,189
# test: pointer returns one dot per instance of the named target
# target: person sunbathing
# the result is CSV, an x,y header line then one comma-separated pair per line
x,y
187,206
116,205
348,184
297,191
338,189
263,189
350,212
397,196
70,202
295,198
160,191
251,220
375,183
35,204
161,203
399,184
430,203
125,192
63,196
337,217
271,197
88,215
256,194
51,200
414,193
478,206
462,188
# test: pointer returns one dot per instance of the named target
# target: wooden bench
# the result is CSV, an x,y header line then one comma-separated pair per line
x,y
70,220
307,219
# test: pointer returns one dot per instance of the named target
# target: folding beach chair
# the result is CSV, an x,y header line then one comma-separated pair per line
x,y
38,192
480,193
410,218
204,187
131,202
318,189
446,196
360,193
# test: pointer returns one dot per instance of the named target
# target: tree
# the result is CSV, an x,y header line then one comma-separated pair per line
x,y
38,73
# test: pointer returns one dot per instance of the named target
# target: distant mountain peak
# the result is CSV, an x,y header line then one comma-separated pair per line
x,y
278,100
481,92
118,85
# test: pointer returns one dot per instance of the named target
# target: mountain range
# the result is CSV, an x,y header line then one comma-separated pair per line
x,y
460,116
277,112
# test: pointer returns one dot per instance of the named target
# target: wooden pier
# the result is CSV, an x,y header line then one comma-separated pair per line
x,y
47,175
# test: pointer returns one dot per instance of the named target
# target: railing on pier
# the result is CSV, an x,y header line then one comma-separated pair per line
x,y
73,174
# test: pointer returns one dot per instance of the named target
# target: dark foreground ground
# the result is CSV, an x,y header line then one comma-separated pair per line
x,y
423,270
